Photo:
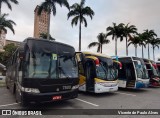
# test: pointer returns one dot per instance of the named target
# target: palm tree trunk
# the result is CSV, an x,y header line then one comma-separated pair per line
x,y
142,52
49,18
136,50
116,45
126,47
0,8
101,48
148,52
79,35
153,55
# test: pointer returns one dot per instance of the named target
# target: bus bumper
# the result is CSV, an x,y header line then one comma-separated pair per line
x,y
48,97
103,89
142,85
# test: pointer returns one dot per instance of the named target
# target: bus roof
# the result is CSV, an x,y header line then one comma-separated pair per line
x,y
148,60
129,57
45,40
96,54
47,46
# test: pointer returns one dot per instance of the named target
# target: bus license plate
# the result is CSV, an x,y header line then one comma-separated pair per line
x,y
57,97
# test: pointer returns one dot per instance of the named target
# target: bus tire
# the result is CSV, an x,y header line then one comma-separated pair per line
x,y
7,85
24,103
16,95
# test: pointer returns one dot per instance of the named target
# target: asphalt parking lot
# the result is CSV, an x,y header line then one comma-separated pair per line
x,y
148,98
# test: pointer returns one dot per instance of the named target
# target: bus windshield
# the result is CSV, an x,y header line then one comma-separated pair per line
x,y
141,70
49,65
105,70
158,69
155,73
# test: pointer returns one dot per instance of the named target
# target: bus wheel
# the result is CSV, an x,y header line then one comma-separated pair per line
x,y
7,85
24,103
16,95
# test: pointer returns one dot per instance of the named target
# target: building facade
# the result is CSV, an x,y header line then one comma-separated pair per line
x,y
2,40
40,22
16,43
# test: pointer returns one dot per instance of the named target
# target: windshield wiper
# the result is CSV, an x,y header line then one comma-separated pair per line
x,y
112,74
106,73
63,72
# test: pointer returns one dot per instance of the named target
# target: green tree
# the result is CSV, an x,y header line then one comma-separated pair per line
x,y
135,40
44,36
155,43
142,42
101,41
78,12
50,6
149,35
8,3
117,31
8,50
128,31
5,23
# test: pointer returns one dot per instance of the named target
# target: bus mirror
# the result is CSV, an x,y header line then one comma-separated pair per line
x,y
155,66
117,64
97,62
120,65
21,55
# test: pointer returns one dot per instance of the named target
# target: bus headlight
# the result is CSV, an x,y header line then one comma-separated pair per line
x,y
31,90
75,87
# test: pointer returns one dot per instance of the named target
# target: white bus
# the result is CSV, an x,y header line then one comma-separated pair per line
x,y
133,73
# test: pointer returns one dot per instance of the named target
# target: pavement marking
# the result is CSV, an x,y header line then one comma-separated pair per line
x,y
87,102
8,104
125,94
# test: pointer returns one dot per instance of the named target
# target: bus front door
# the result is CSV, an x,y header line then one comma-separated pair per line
x,y
90,75
130,74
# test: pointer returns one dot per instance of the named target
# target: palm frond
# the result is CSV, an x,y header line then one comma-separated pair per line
x,y
72,13
93,44
14,1
75,20
8,4
88,12
85,21
82,3
106,41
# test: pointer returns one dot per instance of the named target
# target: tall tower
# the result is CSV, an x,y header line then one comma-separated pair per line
x,y
40,23
2,40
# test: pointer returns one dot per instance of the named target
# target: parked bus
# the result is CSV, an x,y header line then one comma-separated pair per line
x,y
153,74
97,73
2,74
43,71
133,73
158,67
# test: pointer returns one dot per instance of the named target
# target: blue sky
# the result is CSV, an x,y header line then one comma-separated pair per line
x,y
142,13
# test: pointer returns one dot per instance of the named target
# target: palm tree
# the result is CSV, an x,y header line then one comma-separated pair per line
x,y
128,31
44,36
135,41
101,41
5,23
155,43
50,6
149,35
7,2
78,12
117,31
142,42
